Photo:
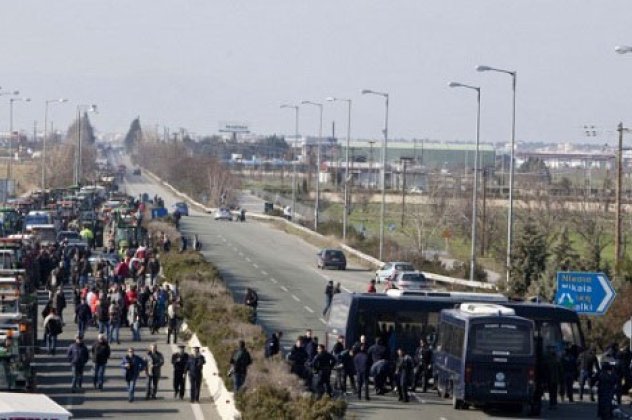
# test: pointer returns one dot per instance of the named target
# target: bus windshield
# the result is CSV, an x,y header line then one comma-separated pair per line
x,y
500,339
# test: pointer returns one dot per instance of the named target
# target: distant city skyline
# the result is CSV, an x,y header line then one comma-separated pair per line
x,y
193,64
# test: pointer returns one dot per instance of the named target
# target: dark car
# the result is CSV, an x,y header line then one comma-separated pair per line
x,y
181,208
332,258
136,171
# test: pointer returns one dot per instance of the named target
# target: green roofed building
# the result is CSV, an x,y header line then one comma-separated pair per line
x,y
426,154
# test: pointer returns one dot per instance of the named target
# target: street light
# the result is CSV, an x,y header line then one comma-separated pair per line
x,y
48,101
475,184
383,207
296,111
11,101
320,138
514,76
347,175
87,108
623,49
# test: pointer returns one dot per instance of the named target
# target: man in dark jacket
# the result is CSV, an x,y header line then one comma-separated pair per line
x,y
83,314
322,364
588,371
154,362
239,362
273,344
133,365
404,372
100,355
78,357
553,370
329,295
179,361
606,388
297,358
194,366
423,365
569,373
361,365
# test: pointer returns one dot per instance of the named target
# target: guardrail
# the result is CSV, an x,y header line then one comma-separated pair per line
x,y
376,263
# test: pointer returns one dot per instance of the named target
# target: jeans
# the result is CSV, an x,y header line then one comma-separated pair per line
x,y
114,331
104,328
238,380
83,279
81,326
51,343
136,331
172,330
99,375
77,376
131,387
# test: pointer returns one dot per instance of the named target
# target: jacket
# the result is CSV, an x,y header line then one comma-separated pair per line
x,y
101,352
241,360
133,366
154,362
179,361
83,312
78,354
361,363
195,364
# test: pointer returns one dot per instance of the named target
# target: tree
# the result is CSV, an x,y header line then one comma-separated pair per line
x,y
534,169
87,132
529,259
134,135
563,258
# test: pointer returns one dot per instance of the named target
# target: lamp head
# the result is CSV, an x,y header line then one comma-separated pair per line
x,y
454,84
62,100
27,99
366,91
623,49
330,99
483,68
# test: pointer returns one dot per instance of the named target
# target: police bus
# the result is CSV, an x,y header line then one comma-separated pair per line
x,y
401,318
485,355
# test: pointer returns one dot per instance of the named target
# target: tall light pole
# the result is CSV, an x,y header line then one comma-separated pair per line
x,y
514,75
384,148
48,101
87,108
11,101
347,173
296,111
477,89
320,139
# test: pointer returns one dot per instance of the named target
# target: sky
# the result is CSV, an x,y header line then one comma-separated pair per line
x,y
194,63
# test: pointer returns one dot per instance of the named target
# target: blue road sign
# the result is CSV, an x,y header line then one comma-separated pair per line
x,y
586,293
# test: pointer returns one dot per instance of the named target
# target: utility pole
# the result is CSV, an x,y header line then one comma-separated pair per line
x,y
371,143
404,162
617,228
484,213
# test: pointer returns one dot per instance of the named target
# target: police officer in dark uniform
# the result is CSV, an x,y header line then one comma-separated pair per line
x,y
179,361
194,367
322,364
606,388
423,365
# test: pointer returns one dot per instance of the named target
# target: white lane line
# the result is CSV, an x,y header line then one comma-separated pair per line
x,y
296,298
248,259
255,265
273,280
308,309
264,273
323,321
284,288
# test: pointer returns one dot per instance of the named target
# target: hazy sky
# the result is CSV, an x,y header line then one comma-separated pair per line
x,y
191,64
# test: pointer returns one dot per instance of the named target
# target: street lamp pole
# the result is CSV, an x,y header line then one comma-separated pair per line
x,y
320,138
10,163
296,111
514,76
384,149
347,199
48,101
475,183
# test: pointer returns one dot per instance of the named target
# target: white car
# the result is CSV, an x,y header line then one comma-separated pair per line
x,y
389,269
223,214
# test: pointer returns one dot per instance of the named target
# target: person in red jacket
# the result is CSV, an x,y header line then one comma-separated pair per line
x,y
372,286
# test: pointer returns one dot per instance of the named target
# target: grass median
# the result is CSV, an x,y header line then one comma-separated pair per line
x,y
270,391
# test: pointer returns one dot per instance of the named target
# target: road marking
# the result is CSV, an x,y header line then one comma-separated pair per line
x,y
264,273
296,298
248,259
235,248
241,254
323,321
273,280
308,309
346,290
284,288
255,265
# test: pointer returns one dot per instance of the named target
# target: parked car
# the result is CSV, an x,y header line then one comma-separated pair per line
x,y
181,208
411,280
390,268
136,171
331,258
71,235
223,214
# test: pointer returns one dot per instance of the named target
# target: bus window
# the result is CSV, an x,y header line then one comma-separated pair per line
x,y
385,324
338,315
508,339
550,335
411,327
571,334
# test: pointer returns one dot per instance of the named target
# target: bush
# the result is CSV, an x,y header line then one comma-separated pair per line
x,y
270,390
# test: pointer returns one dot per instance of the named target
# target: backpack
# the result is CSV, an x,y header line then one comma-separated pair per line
x,y
54,326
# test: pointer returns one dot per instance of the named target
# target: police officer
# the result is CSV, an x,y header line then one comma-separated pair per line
x,y
322,364
194,367
362,365
179,361
588,369
606,387
423,365
404,371
553,370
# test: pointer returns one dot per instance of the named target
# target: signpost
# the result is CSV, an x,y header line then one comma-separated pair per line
x,y
586,293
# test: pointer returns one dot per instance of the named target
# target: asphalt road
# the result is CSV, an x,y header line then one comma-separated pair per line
x,y
282,268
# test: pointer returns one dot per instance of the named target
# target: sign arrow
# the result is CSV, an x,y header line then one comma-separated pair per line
x,y
609,291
